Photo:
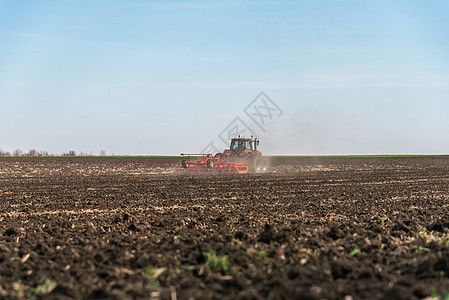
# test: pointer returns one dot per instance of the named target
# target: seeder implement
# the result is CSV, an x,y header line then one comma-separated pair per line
x,y
210,165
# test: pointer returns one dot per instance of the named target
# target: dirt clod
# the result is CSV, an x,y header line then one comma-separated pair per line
x,y
10,232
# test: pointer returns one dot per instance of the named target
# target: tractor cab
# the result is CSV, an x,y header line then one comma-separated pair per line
x,y
242,147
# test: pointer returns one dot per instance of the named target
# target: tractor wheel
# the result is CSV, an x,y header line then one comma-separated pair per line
x,y
253,163
264,166
258,165
184,164
210,164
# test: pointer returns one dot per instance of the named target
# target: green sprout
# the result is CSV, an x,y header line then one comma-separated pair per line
x,y
436,296
17,286
153,285
152,275
426,235
424,249
383,217
355,251
46,288
261,254
419,248
218,262
149,272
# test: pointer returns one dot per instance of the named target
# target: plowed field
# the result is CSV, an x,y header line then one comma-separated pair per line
x,y
128,228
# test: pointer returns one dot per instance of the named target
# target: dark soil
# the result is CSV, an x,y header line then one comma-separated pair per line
x,y
127,228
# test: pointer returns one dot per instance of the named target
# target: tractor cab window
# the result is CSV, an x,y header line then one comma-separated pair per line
x,y
240,145
235,145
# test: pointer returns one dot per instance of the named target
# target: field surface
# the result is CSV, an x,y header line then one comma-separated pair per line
x,y
313,228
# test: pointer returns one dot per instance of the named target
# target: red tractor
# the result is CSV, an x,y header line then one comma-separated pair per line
x,y
244,150
241,158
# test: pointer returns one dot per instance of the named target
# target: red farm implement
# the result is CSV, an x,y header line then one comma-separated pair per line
x,y
209,165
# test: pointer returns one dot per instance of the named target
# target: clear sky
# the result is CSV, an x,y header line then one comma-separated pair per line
x,y
164,77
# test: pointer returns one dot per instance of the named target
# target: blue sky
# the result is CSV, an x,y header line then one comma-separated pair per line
x,y
164,77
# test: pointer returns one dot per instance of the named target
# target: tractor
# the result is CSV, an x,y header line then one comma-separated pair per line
x,y
244,150
241,158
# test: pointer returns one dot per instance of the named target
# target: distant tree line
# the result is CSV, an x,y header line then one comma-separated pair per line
x,y
34,152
